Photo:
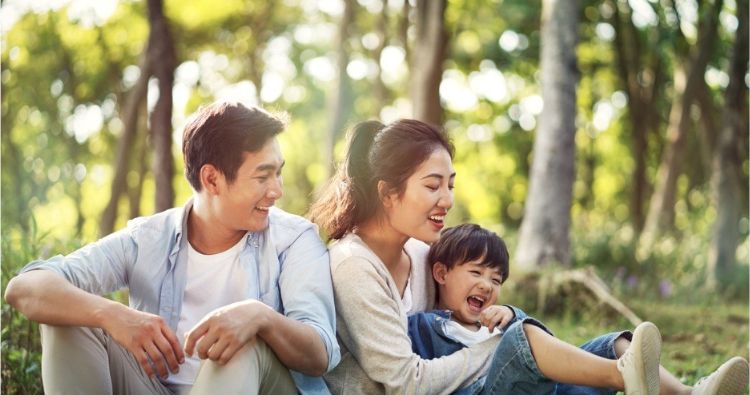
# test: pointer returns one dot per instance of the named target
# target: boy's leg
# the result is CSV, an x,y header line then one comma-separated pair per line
x,y
565,363
77,360
255,369
513,369
609,346
545,359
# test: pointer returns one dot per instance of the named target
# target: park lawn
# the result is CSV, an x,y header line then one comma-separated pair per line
x,y
695,338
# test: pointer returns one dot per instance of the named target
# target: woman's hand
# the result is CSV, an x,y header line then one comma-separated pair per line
x,y
496,316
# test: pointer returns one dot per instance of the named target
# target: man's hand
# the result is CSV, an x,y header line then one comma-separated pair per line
x,y
494,316
225,330
147,337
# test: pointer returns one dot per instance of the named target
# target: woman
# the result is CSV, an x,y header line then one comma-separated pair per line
x,y
388,199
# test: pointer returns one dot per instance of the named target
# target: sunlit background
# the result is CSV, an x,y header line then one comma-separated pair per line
x,y
68,65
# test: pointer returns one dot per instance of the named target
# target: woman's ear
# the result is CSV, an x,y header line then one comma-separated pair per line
x,y
210,178
439,270
385,192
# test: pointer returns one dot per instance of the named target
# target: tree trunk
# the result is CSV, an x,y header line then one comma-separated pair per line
x,y
641,100
709,126
686,87
403,31
340,101
379,89
129,118
259,21
725,182
544,235
427,61
162,60
135,191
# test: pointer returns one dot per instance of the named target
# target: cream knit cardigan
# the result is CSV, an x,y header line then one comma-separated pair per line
x,y
371,328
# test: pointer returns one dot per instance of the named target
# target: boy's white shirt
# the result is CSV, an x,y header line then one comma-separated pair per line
x,y
467,337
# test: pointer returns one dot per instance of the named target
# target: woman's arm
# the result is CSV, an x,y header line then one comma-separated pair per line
x,y
373,330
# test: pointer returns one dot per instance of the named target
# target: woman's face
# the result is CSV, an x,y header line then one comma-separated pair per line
x,y
420,211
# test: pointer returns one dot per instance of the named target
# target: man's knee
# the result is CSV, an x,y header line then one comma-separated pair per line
x,y
73,337
254,354
254,367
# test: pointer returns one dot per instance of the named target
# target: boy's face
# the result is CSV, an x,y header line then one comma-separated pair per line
x,y
467,289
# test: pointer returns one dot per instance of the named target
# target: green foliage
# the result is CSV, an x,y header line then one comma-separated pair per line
x,y
21,349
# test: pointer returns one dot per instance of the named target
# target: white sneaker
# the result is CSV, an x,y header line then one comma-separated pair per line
x,y
729,379
639,364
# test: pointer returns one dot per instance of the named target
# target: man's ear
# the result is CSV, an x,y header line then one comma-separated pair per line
x,y
439,270
211,178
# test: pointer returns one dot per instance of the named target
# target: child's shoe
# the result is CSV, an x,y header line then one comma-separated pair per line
x,y
729,379
639,364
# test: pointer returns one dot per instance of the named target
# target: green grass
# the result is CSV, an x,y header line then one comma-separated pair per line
x,y
696,339
700,329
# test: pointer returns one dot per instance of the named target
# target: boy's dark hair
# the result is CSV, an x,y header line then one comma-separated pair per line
x,y
219,134
470,242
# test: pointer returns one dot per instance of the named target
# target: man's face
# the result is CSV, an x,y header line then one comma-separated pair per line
x,y
243,205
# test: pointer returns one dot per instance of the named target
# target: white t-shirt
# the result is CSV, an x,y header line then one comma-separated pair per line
x,y
212,281
406,300
467,337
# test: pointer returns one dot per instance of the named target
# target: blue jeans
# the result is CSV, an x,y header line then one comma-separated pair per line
x,y
514,370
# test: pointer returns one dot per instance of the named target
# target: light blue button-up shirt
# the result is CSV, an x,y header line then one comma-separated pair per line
x,y
287,264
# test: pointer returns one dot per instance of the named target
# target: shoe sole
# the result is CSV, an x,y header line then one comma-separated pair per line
x,y
734,378
647,340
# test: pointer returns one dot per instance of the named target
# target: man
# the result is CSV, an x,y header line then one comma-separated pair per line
x,y
240,284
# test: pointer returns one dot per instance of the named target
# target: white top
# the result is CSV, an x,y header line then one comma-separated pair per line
x,y
467,337
212,281
406,300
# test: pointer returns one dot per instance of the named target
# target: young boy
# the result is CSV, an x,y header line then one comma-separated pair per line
x,y
469,264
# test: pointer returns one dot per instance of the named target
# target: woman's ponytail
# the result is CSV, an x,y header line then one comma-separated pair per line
x,y
349,195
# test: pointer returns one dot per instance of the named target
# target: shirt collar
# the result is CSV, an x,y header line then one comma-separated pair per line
x,y
180,221
180,225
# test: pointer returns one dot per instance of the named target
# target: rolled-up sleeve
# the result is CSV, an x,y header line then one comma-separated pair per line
x,y
306,289
98,268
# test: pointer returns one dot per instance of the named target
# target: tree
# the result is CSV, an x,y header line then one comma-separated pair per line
x,y
687,81
544,231
427,61
725,181
162,60
340,100
641,74
130,112
379,88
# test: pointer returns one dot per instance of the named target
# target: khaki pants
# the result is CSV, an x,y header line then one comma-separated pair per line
x,y
77,360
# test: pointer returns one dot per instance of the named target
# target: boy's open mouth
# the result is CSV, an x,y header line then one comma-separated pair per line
x,y
475,302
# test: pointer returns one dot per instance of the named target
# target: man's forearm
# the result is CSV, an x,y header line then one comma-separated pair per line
x,y
47,298
298,346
